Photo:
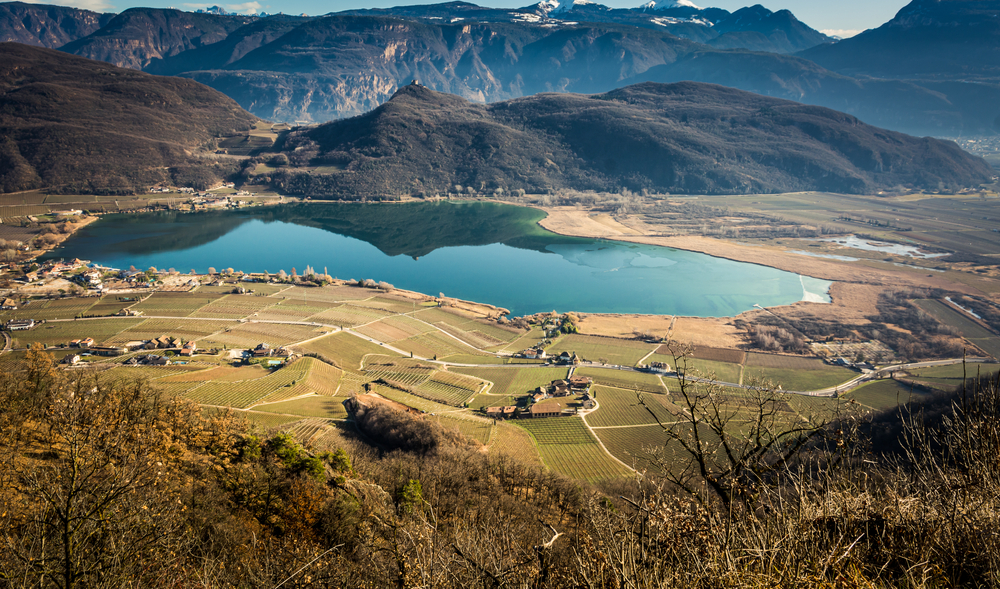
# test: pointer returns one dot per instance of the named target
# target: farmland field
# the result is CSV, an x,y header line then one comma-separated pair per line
x,y
244,394
624,379
795,373
393,329
173,304
954,374
344,350
57,308
449,388
102,330
601,349
974,332
185,329
630,444
347,316
474,429
724,371
567,447
327,295
418,403
245,335
433,344
268,420
234,307
515,381
617,407
557,430
588,462
484,401
108,305
509,440
883,394
316,406
289,311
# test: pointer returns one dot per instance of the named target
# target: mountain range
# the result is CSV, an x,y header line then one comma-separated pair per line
x,y
72,124
932,70
689,138
77,125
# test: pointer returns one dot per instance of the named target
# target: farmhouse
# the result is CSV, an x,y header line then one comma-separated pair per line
x,y
658,367
545,410
189,349
107,350
501,412
567,358
261,351
20,324
580,383
72,359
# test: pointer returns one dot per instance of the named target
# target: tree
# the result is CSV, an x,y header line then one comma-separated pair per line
x,y
211,270
96,506
728,445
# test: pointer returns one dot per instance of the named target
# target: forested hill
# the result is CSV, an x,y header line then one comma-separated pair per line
x,y
84,125
680,138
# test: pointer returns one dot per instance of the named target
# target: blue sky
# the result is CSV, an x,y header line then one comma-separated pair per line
x,y
840,17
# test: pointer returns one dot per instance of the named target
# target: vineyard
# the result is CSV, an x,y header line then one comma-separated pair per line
x,y
604,350
285,311
510,440
185,329
276,335
106,306
347,316
433,345
515,381
234,307
418,403
474,429
617,407
588,462
58,308
632,445
344,350
557,430
708,353
172,304
623,379
450,389
243,394
388,305
393,329
50,334
308,431
314,406
326,295
268,421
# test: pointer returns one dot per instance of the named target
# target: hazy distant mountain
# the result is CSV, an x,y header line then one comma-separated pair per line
x,y
681,138
46,25
755,28
943,39
137,36
915,107
346,65
82,125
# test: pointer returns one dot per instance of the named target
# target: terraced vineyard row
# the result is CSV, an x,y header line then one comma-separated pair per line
x,y
588,462
444,392
623,379
618,407
557,430
345,350
245,393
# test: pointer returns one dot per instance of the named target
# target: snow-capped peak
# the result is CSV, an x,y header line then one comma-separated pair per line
x,y
671,4
548,6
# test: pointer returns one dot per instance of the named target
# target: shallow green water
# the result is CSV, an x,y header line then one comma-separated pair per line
x,y
475,251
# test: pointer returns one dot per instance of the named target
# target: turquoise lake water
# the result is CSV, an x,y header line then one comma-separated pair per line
x,y
482,252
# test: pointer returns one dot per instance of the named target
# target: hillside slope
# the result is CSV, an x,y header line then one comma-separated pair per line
x,y
952,39
45,25
680,138
89,126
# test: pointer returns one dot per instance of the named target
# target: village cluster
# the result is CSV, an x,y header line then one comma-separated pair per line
x,y
541,402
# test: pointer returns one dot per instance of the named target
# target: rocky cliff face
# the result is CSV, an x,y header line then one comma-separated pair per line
x,y
47,26
136,37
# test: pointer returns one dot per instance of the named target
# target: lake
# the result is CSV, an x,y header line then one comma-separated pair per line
x,y
482,252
